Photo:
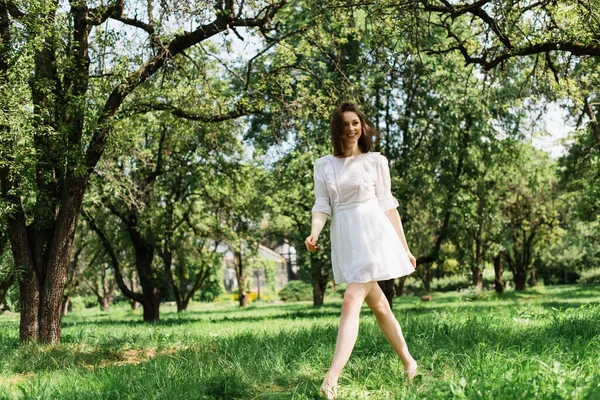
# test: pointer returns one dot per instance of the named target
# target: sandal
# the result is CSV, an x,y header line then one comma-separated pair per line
x,y
328,391
411,373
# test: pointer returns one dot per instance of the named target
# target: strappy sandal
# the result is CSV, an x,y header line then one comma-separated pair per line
x,y
328,391
411,373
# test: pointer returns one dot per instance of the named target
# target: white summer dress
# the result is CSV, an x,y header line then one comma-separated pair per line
x,y
355,192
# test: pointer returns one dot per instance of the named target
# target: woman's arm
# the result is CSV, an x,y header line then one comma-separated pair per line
x,y
317,224
394,217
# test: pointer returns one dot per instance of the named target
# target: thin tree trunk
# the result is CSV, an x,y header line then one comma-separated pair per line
x,y
427,278
400,286
388,290
134,304
241,278
105,301
477,280
119,280
66,305
498,283
318,293
532,278
243,295
319,279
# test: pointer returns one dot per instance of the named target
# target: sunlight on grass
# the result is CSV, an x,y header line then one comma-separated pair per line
x,y
543,343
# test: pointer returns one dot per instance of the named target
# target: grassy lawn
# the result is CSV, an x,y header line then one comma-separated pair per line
x,y
544,343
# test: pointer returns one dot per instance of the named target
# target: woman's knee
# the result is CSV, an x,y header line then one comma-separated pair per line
x,y
352,299
381,308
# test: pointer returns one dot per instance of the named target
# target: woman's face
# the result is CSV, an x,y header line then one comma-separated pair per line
x,y
352,128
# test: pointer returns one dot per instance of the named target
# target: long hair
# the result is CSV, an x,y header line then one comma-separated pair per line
x,y
337,128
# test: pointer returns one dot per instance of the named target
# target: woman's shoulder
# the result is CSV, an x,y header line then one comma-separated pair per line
x,y
323,159
376,157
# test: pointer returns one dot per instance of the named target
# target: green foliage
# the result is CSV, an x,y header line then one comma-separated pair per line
x,y
296,291
590,276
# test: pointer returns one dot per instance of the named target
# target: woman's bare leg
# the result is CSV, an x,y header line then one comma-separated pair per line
x,y
390,327
348,331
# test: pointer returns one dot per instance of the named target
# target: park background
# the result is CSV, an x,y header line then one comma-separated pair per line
x,y
156,185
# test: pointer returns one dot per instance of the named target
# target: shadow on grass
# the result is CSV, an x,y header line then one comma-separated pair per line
x,y
167,322
255,364
436,331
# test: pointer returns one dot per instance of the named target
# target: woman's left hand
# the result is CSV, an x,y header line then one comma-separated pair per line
x,y
413,260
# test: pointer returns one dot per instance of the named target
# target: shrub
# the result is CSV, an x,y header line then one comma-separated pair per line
x,y
296,291
451,283
590,276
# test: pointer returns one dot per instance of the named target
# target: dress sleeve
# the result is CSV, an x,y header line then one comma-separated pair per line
x,y
321,193
383,186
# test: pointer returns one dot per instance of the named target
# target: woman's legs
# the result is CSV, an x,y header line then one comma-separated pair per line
x,y
390,327
348,331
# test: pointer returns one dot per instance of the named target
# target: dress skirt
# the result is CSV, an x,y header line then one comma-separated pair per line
x,y
365,246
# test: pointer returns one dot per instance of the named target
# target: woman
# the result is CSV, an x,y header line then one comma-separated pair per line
x,y
367,240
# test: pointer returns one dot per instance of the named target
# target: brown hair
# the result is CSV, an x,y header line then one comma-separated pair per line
x,y
337,128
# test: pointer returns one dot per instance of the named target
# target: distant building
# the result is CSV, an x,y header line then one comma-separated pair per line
x,y
287,251
282,270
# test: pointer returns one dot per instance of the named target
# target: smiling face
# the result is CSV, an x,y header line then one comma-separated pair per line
x,y
352,128
348,129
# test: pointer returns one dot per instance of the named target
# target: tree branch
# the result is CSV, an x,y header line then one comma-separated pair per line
x,y
593,120
453,11
14,11
170,50
113,257
142,108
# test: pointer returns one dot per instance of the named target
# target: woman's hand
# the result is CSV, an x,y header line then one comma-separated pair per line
x,y
413,260
311,243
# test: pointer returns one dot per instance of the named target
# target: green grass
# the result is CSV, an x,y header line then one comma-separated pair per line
x,y
544,343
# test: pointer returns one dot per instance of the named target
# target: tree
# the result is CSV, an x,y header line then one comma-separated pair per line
x,y
555,34
530,212
290,203
99,278
158,190
72,120
241,210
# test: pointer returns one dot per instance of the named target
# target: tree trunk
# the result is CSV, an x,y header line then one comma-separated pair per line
x,y
243,295
105,303
532,278
319,279
520,277
54,284
241,277
151,306
181,305
388,290
144,255
477,280
400,286
427,278
318,292
134,304
498,283
29,326
66,305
